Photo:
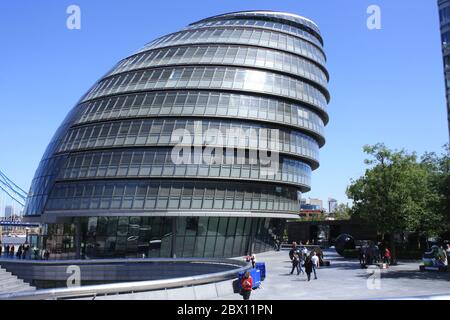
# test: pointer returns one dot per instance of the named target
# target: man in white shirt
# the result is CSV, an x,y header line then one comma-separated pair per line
x,y
316,264
305,252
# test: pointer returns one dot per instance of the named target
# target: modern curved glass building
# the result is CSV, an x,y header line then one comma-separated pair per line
x,y
108,184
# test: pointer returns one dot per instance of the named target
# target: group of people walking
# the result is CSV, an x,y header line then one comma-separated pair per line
x,y
373,254
300,258
9,251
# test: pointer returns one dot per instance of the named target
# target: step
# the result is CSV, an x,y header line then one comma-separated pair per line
x,y
16,288
26,289
8,283
9,280
6,276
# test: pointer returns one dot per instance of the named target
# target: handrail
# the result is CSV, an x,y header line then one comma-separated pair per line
x,y
420,298
127,287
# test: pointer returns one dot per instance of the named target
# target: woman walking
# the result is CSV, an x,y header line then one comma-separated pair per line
x,y
308,267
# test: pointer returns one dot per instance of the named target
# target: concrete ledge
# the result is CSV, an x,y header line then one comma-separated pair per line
x,y
53,274
201,292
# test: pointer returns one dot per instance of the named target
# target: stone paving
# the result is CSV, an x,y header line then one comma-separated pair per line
x,y
345,280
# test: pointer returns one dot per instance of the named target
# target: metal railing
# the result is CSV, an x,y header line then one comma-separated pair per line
x,y
134,287
420,298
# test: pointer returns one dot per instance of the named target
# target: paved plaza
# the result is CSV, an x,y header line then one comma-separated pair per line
x,y
345,280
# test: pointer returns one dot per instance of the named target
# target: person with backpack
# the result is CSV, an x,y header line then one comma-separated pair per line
x,y
247,286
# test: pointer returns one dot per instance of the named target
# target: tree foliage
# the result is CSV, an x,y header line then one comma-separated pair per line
x,y
400,193
342,212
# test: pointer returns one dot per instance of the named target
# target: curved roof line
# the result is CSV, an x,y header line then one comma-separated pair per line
x,y
278,14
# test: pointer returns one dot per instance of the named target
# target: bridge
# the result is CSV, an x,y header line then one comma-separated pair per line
x,y
18,224
12,199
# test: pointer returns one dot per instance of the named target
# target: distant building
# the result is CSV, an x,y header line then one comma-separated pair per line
x,y
9,212
312,204
332,205
309,207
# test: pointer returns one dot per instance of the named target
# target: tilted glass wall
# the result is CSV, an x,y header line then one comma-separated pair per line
x,y
108,184
153,237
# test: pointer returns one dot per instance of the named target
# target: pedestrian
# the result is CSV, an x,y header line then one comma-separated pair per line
x,y
293,250
247,286
387,256
295,263
11,251
19,252
376,253
7,251
362,257
253,259
301,262
316,263
308,267
46,254
1,248
305,251
25,251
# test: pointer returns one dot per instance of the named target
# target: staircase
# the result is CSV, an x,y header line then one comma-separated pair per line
x,y
11,284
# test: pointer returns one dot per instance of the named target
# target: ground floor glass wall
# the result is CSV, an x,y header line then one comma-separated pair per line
x,y
153,237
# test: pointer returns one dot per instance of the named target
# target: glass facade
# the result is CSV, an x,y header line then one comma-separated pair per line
x,y
153,237
157,132
241,35
226,55
209,104
444,15
108,184
214,78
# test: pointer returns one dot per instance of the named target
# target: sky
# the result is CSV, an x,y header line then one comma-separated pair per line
x,y
386,85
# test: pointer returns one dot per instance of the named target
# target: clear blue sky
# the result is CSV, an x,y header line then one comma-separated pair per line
x,y
386,85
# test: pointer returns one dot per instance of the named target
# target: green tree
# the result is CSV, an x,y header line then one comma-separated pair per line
x,y
396,194
438,167
343,212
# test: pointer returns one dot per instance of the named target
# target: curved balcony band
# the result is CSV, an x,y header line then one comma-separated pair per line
x,y
158,163
260,24
158,132
245,36
228,55
170,195
212,78
202,104
282,17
